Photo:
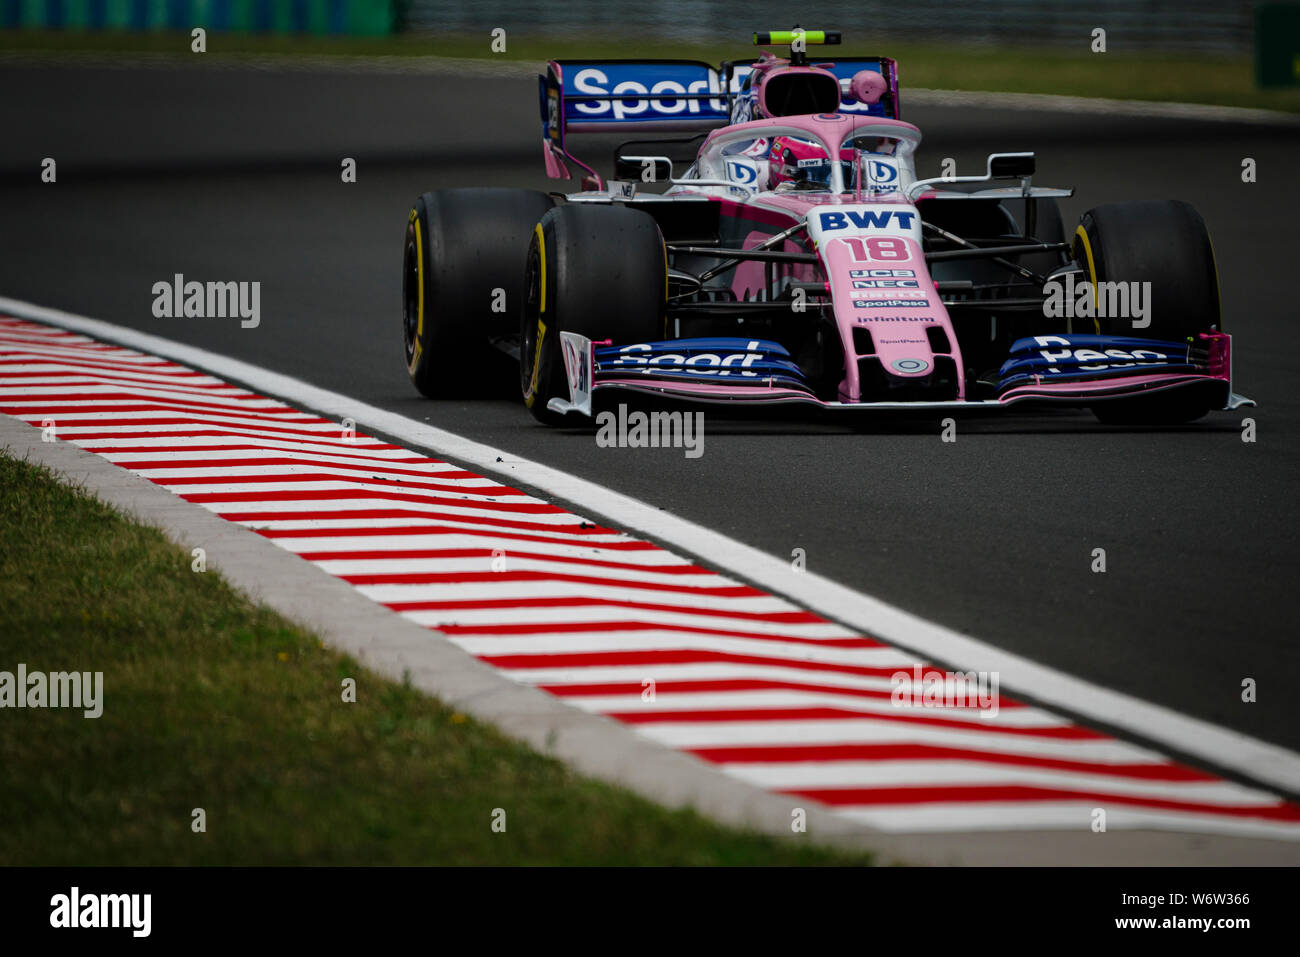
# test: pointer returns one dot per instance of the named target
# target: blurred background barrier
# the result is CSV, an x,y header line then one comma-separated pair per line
x,y
1195,50
1270,30
1277,47
1132,26
340,17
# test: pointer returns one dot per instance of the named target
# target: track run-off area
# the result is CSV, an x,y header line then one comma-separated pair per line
x,y
766,690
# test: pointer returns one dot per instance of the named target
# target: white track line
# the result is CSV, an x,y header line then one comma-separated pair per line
x,y
1255,759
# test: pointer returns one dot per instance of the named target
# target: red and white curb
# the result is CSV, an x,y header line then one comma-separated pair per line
x,y
769,692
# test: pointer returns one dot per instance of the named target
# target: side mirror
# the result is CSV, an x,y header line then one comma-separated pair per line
x,y
1011,165
644,169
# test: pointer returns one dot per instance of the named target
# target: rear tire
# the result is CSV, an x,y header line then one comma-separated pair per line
x,y
1165,243
599,271
462,283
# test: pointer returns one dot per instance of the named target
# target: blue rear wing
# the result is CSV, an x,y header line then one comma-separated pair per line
x,y
601,96
592,96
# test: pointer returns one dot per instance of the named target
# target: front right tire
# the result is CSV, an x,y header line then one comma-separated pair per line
x,y
599,271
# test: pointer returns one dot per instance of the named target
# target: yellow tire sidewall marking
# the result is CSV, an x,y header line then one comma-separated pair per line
x,y
541,252
530,396
419,295
1092,272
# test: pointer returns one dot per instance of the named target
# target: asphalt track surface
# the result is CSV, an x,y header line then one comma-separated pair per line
x,y
234,175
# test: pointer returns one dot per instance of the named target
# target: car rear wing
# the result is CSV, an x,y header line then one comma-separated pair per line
x,y
598,96
593,96
604,96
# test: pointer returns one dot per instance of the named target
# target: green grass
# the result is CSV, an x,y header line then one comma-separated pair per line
x,y
1201,79
212,702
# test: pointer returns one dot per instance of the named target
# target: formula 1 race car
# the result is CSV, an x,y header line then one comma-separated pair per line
x,y
799,259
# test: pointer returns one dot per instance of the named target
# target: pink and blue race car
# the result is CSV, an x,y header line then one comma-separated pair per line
x,y
798,258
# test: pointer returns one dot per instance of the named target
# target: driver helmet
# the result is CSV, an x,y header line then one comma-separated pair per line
x,y
800,161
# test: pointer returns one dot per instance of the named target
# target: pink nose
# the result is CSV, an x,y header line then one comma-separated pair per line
x,y
867,86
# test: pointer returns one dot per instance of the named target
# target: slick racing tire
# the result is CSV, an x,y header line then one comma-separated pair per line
x,y
462,283
600,271
1165,243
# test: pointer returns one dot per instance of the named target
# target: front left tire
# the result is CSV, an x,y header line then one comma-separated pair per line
x,y
1165,243
463,283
